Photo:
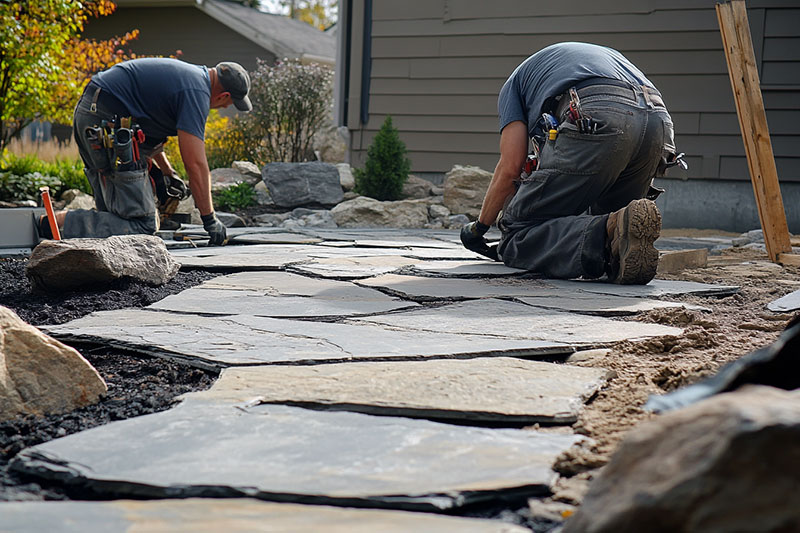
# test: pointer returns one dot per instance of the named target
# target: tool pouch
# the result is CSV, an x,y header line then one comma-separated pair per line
x,y
129,194
123,148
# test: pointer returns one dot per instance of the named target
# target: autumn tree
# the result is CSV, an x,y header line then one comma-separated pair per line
x,y
318,13
44,64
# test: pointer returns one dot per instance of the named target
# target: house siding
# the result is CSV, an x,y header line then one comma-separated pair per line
x,y
437,66
165,30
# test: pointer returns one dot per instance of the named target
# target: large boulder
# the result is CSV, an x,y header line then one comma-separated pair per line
x,y
302,184
416,187
39,375
464,189
363,212
729,463
75,263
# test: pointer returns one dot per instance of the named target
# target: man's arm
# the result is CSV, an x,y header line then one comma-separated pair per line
x,y
161,161
193,153
513,151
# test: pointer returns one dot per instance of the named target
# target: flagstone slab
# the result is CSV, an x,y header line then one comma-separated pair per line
x,y
230,515
249,340
656,288
407,242
476,268
352,267
520,321
273,238
604,304
497,389
785,304
279,294
208,448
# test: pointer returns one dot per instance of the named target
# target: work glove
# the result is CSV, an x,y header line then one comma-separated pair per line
x,y
472,237
217,234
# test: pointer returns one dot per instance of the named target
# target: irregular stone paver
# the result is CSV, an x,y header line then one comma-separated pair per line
x,y
467,268
230,515
790,302
499,389
520,321
352,267
279,294
243,339
604,304
657,287
273,238
407,242
268,451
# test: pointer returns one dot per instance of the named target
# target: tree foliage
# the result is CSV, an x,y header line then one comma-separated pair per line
x,y
387,166
318,13
43,62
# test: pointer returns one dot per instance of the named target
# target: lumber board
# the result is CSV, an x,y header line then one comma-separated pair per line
x,y
789,259
743,74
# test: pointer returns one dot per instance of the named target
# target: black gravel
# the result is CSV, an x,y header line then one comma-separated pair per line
x,y
137,384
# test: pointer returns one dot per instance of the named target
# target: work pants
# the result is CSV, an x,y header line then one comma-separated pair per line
x,y
124,200
555,224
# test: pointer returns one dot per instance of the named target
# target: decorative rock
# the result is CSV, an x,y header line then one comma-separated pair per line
x,y
310,218
271,219
724,464
416,187
457,221
80,200
346,178
230,220
438,211
250,170
329,145
222,178
70,194
262,194
349,195
464,189
41,375
368,212
301,184
74,263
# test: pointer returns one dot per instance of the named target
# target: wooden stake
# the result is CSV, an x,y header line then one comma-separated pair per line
x,y
741,59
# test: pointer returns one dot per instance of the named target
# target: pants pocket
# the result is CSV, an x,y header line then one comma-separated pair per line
x,y
130,194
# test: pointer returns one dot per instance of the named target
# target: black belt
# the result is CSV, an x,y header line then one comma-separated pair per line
x,y
104,100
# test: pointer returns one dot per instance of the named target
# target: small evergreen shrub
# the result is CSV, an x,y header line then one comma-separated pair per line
x,y
21,176
387,165
236,197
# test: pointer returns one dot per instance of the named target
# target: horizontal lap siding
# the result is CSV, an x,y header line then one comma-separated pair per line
x,y
437,66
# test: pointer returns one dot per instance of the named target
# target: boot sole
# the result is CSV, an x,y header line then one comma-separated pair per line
x,y
638,258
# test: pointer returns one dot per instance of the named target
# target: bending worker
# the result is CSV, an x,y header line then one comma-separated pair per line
x,y
121,122
598,133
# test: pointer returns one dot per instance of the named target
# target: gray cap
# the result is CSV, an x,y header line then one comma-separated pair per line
x,y
235,80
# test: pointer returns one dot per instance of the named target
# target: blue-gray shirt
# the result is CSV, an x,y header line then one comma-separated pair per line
x,y
163,95
533,86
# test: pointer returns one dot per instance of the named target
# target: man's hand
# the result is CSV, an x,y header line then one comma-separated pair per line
x,y
472,237
217,234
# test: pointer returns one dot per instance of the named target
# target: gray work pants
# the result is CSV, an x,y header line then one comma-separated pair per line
x,y
555,224
124,200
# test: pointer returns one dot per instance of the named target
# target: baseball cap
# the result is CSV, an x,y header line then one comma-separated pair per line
x,y
235,80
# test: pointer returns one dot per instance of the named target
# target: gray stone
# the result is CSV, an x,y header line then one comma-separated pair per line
x,y
350,195
279,294
519,321
222,178
353,267
416,187
729,463
457,221
368,212
604,304
464,189
230,220
250,170
272,219
273,238
438,211
40,375
218,449
455,269
406,242
244,339
446,389
785,304
346,178
263,197
231,515
75,263
298,184
76,199
654,289
310,218
329,144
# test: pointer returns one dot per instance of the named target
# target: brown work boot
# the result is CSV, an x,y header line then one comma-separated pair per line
x,y
631,232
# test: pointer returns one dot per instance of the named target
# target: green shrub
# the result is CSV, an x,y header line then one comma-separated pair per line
x,y
15,187
21,176
236,197
387,165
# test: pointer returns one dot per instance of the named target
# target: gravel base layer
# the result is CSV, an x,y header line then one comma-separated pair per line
x,y
137,384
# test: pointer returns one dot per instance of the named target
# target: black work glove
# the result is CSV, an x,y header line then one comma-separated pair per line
x,y
217,234
472,237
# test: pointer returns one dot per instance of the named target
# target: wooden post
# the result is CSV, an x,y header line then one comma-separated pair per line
x,y
741,59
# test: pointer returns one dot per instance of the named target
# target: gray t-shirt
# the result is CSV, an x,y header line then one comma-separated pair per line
x,y
533,86
163,95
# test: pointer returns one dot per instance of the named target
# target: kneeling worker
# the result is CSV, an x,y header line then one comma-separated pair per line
x,y
121,123
575,205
